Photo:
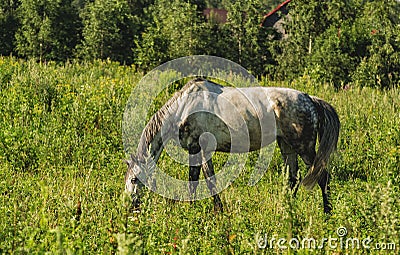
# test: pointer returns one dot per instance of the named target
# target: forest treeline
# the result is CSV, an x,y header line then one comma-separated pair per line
x,y
337,42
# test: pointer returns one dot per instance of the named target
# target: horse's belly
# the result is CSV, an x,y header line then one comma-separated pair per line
x,y
252,123
249,134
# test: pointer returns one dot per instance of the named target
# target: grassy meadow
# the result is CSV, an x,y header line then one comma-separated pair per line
x,y
61,176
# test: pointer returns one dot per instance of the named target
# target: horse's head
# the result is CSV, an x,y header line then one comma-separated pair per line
x,y
132,182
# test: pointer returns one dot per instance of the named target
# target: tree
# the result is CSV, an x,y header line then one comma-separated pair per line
x,y
109,28
307,20
8,26
248,42
172,32
342,42
380,65
48,30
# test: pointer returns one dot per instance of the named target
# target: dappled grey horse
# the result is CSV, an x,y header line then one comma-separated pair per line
x,y
299,120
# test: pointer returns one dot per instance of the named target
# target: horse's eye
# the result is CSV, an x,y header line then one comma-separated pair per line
x,y
133,180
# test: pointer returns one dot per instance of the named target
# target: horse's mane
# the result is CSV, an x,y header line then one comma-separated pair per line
x,y
157,120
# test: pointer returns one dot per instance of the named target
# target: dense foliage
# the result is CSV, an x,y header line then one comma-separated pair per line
x,y
340,42
61,174
343,42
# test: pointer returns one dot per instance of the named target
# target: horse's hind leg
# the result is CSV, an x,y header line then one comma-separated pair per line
x,y
289,156
208,171
323,181
324,185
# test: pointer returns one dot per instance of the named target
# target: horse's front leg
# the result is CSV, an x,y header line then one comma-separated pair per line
x,y
209,175
194,173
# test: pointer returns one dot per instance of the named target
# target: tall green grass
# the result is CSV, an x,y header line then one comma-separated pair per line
x,y
61,174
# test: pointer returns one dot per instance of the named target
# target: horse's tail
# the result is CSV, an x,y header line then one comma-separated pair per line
x,y
328,133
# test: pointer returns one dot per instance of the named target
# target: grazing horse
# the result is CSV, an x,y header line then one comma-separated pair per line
x,y
299,118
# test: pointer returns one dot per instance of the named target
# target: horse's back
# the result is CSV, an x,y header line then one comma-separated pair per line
x,y
200,84
288,105
232,115
256,110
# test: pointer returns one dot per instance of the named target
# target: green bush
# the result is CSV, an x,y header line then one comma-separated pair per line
x,y
52,114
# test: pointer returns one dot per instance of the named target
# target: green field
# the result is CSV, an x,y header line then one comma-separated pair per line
x,y
61,175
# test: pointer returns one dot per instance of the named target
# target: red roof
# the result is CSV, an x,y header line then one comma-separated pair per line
x,y
274,11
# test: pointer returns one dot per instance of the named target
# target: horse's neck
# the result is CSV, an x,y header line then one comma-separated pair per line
x,y
154,147
161,128
153,139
